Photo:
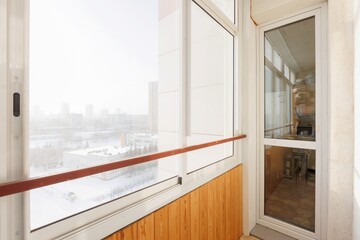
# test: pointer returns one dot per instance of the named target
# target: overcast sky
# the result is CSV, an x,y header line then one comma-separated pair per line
x,y
102,52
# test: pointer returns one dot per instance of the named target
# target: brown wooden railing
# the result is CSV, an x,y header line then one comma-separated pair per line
x,y
9,188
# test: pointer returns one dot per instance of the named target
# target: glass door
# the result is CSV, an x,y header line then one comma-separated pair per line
x,y
289,149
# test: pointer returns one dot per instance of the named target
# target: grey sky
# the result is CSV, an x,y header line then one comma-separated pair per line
x,y
93,51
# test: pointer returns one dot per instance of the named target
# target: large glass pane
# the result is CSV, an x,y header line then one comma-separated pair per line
x,y
278,62
290,185
211,88
292,77
227,7
290,104
103,87
286,72
268,50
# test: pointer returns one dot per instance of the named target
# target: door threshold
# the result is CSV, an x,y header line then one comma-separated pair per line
x,y
265,233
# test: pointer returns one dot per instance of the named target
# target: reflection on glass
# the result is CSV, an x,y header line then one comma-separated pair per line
x,y
95,91
289,80
268,50
290,185
227,7
211,89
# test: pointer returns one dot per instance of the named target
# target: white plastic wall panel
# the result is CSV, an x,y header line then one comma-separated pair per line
x,y
356,210
169,33
168,111
169,72
207,111
263,11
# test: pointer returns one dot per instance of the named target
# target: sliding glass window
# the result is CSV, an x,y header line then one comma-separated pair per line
x,y
103,87
211,89
107,81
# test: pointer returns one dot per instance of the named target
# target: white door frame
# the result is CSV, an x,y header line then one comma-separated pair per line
x,y
320,145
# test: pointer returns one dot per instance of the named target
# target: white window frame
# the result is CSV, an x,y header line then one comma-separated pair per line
x,y
320,145
103,220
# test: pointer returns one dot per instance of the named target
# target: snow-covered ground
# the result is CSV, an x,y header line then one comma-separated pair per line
x,y
59,201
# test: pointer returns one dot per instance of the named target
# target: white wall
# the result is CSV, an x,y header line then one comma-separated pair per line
x,y
341,124
266,10
249,58
356,211
168,85
4,223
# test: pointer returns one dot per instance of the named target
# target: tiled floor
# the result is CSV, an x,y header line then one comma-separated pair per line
x,y
293,202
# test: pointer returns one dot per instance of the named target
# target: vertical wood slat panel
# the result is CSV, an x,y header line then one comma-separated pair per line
x,y
203,210
174,220
161,226
228,209
146,228
129,233
212,211
185,214
220,208
240,200
195,214
233,206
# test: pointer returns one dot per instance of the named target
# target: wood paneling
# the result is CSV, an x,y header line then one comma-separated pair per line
x,y
146,228
195,214
185,218
212,211
174,220
203,210
130,232
220,207
162,223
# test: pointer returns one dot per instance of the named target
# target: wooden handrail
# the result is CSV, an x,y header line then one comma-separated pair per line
x,y
13,187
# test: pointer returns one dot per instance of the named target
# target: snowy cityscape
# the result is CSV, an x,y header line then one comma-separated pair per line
x,y
68,141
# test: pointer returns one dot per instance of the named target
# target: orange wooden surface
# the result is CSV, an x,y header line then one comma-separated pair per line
x,y
195,214
146,228
162,223
174,220
185,217
130,232
212,211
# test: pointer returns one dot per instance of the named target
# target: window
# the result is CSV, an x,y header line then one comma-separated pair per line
x,y
278,95
227,7
98,95
268,50
292,77
286,71
289,148
277,61
105,82
211,88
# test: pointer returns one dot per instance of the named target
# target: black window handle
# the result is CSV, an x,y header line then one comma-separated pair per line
x,y
16,104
